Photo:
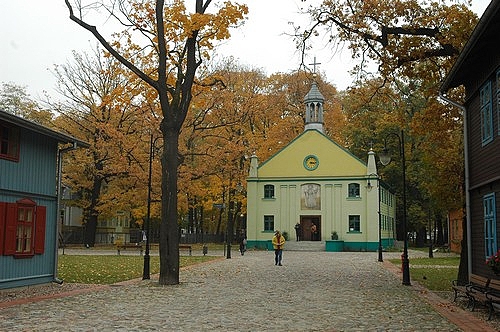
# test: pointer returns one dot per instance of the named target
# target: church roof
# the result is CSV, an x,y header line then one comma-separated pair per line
x,y
334,160
314,94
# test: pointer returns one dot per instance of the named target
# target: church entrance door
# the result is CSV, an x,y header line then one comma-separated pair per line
x,y
307,225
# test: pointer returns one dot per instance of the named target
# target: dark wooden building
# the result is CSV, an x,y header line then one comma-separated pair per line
x,y
477,69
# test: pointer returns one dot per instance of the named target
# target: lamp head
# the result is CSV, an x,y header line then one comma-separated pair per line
x,y
369,185
385,157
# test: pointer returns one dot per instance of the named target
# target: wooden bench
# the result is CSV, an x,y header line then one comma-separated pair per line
x,y
126,246
443,248
461,289
186,246
493,297
478,294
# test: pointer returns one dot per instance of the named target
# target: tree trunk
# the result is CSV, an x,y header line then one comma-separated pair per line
x,y
90,231
463,268
218,231
91,215
169,228
201,225
420,240
439,225
191,218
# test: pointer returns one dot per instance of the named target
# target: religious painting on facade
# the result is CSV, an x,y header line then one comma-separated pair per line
x,y
310,196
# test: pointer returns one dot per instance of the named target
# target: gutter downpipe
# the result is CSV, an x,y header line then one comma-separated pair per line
x,y
58,212
466,162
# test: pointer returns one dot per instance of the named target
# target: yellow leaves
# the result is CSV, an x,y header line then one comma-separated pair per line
x,y
143,14
205,27
197,22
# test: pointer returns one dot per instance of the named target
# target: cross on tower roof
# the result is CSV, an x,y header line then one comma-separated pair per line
x,y
314,65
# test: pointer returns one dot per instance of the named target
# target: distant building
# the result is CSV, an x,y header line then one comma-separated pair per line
x,y
322,187
109,231
29,156
455,233
478,70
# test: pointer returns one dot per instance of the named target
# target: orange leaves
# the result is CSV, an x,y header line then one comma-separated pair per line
x,y
398,33
205,27
143,14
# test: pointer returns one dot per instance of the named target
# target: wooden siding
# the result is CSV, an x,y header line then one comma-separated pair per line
x,y
477,64
484,173
39,268
477,226
481,70
34,177
36,170
483,160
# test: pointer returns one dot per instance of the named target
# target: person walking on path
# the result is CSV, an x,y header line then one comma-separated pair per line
x,y
297,231
278,243
313,232
243,245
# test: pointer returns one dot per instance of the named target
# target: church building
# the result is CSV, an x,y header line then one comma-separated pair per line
x,y
315,190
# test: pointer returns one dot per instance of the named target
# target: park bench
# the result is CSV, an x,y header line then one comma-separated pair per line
x,y
493,297
187,247
126,246
488,297
443,248
460,290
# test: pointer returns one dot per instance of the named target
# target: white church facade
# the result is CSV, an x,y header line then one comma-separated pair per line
x,y
313,188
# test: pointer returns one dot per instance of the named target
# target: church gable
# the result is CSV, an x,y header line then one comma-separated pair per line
x,y
312,154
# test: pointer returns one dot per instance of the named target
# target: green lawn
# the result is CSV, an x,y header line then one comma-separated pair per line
x,y
435,274
109,269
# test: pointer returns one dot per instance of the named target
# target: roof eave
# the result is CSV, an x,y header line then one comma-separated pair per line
x,y
35,127
450,79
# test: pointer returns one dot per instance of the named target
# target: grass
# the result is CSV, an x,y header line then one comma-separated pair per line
x,y
436,274
109,269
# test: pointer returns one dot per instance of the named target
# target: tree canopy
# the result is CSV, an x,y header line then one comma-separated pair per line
x,y
164,45
404,49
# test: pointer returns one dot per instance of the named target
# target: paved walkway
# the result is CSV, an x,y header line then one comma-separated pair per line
x,y
312,291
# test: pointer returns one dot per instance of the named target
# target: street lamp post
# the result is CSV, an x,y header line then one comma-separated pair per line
x,y
146,269
231,216
385,159
369,186
230,224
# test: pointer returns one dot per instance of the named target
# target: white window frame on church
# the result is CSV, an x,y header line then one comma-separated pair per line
x,y
268,223
353,190
268,191
355,221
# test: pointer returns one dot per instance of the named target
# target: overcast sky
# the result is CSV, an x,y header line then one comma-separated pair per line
x,y
35,35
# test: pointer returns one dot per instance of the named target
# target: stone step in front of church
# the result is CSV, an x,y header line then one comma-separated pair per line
x,y
305,245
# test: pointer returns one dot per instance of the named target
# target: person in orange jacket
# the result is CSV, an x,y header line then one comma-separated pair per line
x,y
278,243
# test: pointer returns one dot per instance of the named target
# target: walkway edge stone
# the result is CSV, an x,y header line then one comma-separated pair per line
x,y
458,316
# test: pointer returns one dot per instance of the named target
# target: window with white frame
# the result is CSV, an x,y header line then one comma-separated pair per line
x,y
354,223
268,191
353,190
22,228
269,223
486,113
490,224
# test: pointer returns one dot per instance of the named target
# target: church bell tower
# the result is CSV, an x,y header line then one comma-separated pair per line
x,y
314,109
